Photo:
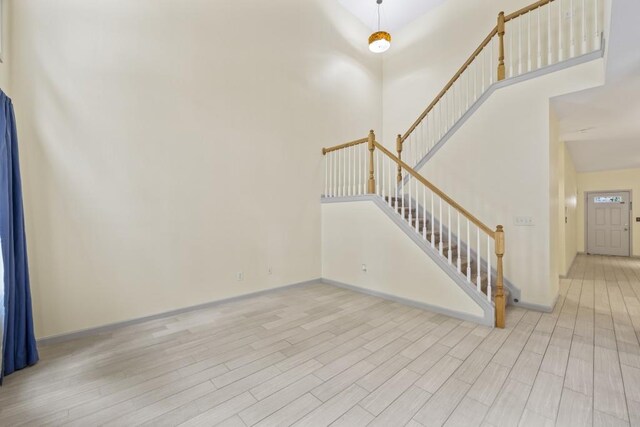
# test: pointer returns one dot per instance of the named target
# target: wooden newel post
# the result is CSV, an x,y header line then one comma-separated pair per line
x,y
501,31
399,150
372,180
499,299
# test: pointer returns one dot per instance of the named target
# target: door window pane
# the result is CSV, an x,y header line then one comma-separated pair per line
x,y
608,199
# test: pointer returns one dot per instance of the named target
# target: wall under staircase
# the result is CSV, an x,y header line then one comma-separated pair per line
x,y
363,231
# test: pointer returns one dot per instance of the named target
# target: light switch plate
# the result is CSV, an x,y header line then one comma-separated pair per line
x,y
524,221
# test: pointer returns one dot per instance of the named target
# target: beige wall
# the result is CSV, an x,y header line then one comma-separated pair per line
x,y
358,233
168,145
626,179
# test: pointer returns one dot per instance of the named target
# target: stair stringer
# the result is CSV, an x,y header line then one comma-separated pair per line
x,y
572,62
486,307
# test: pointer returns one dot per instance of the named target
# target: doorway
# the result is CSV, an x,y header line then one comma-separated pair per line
x,y
608,223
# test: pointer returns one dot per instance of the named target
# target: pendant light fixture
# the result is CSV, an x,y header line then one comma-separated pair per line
x,y
380,41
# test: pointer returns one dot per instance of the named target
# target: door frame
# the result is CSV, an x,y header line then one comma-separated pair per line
x,y
586,218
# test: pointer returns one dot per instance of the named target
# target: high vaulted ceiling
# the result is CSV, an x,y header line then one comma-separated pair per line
x,y
394,13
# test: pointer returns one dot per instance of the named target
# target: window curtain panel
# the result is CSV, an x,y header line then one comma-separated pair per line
x,y
19,344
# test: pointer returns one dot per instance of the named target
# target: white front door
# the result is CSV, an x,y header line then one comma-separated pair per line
x,y
608,223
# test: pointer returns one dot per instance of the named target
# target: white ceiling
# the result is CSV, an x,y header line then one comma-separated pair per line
x,y
602,125
394,13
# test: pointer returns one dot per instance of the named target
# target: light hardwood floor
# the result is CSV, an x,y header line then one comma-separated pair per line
x,y
320,355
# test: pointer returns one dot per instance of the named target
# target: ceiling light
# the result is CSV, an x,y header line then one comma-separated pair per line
x,y
380,41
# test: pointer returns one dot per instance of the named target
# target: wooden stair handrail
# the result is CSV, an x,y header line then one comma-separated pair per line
x,y
345,145
490,232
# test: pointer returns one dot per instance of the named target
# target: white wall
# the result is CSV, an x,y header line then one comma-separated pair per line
x,y
168,145
501,164
625,179
356,233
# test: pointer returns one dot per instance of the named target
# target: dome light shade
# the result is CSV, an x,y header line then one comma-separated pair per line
x,y
379,42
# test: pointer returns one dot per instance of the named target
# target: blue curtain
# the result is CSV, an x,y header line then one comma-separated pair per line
x,y
19,349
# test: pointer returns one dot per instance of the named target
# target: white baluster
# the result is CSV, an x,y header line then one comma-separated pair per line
x,y
539,34
389,179
529,41
572,41
395,200
475,80
481,59
326,176
449,242
433,222
489,268
520,61
359,161
348,170
379,172
492,47
341,188
336,174
584,26
410,197
478,262
459,247
402,195
596,26
560,47
549,48
355,169
417,186
468,250
424,212
511,39
440,219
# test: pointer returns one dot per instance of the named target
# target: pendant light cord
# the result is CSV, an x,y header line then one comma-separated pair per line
x,y
379,3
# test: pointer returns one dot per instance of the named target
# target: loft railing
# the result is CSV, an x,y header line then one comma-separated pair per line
x,y
542,34
366,167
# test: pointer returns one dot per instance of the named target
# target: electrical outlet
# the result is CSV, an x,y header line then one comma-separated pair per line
x,y
524,221
240,276
364,267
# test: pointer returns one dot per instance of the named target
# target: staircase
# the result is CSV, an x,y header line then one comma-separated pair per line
x,y
541,38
